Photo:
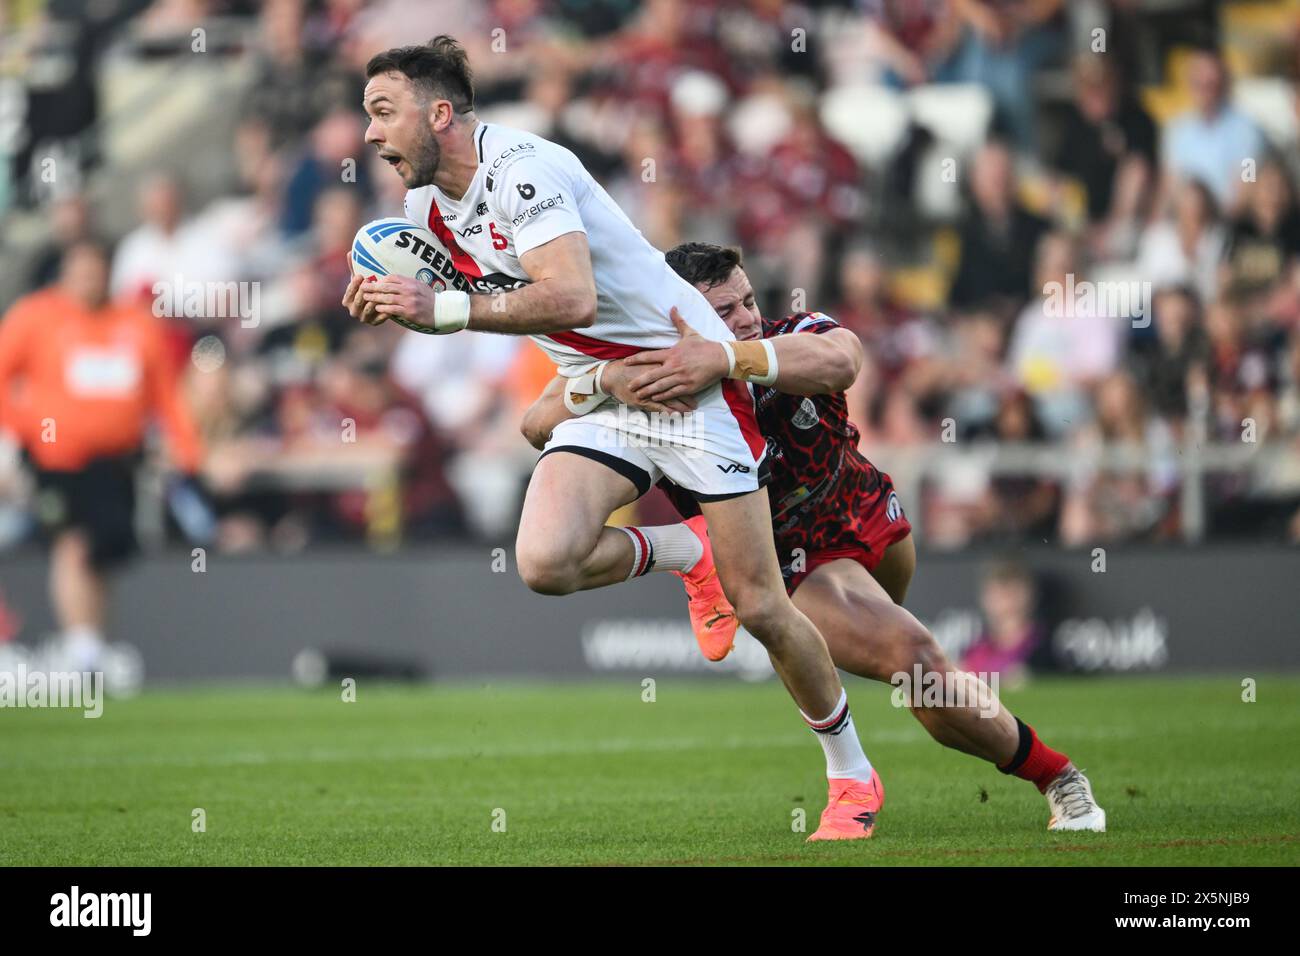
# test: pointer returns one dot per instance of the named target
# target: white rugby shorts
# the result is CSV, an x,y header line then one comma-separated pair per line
x,y
715,451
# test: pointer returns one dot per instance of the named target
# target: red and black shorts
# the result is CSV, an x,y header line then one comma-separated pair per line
x,y
859,527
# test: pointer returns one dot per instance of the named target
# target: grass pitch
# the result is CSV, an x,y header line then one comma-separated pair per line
x,y
709,773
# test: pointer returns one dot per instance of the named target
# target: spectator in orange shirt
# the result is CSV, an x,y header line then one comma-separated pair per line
x,y
81,378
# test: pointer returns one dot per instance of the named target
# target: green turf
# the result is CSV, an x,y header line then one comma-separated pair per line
x,y
588,773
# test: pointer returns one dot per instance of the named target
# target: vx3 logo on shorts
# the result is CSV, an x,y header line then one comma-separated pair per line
x,y
733,469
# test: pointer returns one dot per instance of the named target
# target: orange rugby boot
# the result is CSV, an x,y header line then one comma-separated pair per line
x,y
713,619
851,811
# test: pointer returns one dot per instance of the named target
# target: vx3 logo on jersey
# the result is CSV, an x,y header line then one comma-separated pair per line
x,y
733,469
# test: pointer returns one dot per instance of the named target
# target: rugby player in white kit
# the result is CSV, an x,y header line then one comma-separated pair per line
x,y
548,254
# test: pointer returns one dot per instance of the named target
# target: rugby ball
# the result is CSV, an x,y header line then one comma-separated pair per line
x,y
401,247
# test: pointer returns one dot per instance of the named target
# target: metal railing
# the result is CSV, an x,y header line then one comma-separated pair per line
x,y
912,466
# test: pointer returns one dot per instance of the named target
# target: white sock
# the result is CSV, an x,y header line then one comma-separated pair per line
x,y
839,738
83,648
666,547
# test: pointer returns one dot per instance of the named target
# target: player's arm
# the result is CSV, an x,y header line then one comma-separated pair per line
x,y
561,295
535,194
18,330
818,364
551,408
545,413
167,402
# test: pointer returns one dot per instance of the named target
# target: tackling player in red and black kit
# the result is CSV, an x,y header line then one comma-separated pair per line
x,y
828,501
845,545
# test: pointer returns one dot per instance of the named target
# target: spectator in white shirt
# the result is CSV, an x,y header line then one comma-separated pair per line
x,y
1187,249
165,248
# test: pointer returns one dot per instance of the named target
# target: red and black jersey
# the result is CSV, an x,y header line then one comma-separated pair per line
x,y
820,481
826,497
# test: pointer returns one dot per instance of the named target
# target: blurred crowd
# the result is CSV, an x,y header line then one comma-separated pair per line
x,y
733,122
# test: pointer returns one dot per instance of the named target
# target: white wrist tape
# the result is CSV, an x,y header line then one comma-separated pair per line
x,y
583,393
731,357
770,377
450,311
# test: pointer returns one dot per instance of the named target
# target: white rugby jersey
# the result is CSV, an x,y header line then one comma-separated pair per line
x,y
528,191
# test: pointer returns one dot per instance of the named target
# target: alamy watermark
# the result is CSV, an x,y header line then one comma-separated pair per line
x,y
77,690
1101,300
960,689
193,299
636,427
128,910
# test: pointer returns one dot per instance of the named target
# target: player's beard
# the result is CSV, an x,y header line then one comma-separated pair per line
x,y
424,159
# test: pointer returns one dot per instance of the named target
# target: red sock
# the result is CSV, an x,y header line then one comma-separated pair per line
x,y
1034,760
